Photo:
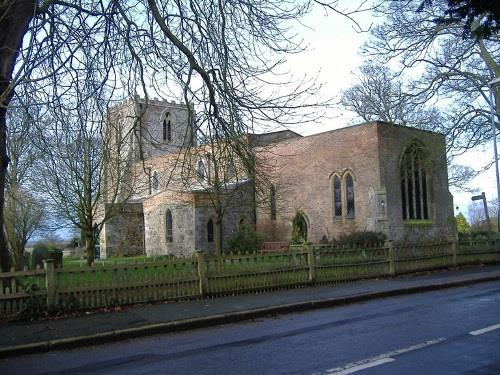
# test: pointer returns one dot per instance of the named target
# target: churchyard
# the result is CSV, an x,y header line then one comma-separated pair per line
x,y
138,280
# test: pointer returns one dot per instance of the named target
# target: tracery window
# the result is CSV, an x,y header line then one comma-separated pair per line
x,y
349,188
343,195
169,235
337,196
414,184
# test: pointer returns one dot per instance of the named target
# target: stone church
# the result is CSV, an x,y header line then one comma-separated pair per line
x,y
373,176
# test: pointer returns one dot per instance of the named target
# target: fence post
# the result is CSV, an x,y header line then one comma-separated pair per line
x,y
390,251
311,263
454,247
202,273
48,264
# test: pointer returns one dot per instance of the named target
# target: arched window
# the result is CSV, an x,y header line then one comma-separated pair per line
x,y
169,234
201,171
167,128
210,231
337,196
414,184
272,200
155,185
349,189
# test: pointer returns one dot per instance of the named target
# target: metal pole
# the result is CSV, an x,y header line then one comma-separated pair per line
x,y
492,110
485,204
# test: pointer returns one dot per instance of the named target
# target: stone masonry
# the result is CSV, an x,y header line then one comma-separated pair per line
x,y
365,158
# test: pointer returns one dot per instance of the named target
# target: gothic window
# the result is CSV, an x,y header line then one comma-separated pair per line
x,y
169,235
167,128
349,189
337,196
272,199
414,184
201,171
210,231
155,185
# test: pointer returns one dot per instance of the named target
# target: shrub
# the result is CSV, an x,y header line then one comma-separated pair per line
x,y
40,253
475,235
296,239
362,238
299,232
246,240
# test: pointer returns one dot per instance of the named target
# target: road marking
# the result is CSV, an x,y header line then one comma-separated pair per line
x,y
484,330
363,366
379,359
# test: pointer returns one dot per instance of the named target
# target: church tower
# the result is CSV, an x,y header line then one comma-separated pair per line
x,y
136,130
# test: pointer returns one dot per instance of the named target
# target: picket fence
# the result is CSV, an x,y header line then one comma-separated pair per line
x,y
31,292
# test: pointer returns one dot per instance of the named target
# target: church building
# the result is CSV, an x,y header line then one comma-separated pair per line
x,y
373,176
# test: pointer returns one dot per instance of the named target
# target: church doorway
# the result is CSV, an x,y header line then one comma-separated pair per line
x,y
300,229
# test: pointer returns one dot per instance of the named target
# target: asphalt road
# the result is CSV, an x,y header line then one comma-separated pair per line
x,y
454,331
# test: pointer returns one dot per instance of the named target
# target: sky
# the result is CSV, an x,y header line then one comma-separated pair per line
x,y
333,54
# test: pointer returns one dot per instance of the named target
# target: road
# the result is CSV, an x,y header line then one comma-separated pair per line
x,y
454,331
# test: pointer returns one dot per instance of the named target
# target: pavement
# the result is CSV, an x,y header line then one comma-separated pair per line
x,y
24,337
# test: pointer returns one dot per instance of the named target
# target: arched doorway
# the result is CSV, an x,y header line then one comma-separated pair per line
x,y
300,228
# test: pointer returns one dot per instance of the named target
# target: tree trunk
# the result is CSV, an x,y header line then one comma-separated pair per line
x,y
4,161
17,251
15,17
218,235
89,247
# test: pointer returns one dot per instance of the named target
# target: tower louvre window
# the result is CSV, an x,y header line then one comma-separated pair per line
x,y
167,128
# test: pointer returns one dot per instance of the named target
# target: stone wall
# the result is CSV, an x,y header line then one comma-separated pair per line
x,y
123,233
393,142
152,127
238,203
181,206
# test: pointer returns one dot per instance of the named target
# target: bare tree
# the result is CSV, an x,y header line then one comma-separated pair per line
x,y
79,160
380,94
24,212
222,57
23,217
446,67
225,179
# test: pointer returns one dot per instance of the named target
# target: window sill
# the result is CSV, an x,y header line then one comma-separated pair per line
x,y
418,223
342,218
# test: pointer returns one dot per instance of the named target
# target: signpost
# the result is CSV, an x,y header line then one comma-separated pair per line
x,y
483,197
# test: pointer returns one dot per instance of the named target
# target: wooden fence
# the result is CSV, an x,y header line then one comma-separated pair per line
x,y
34,291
